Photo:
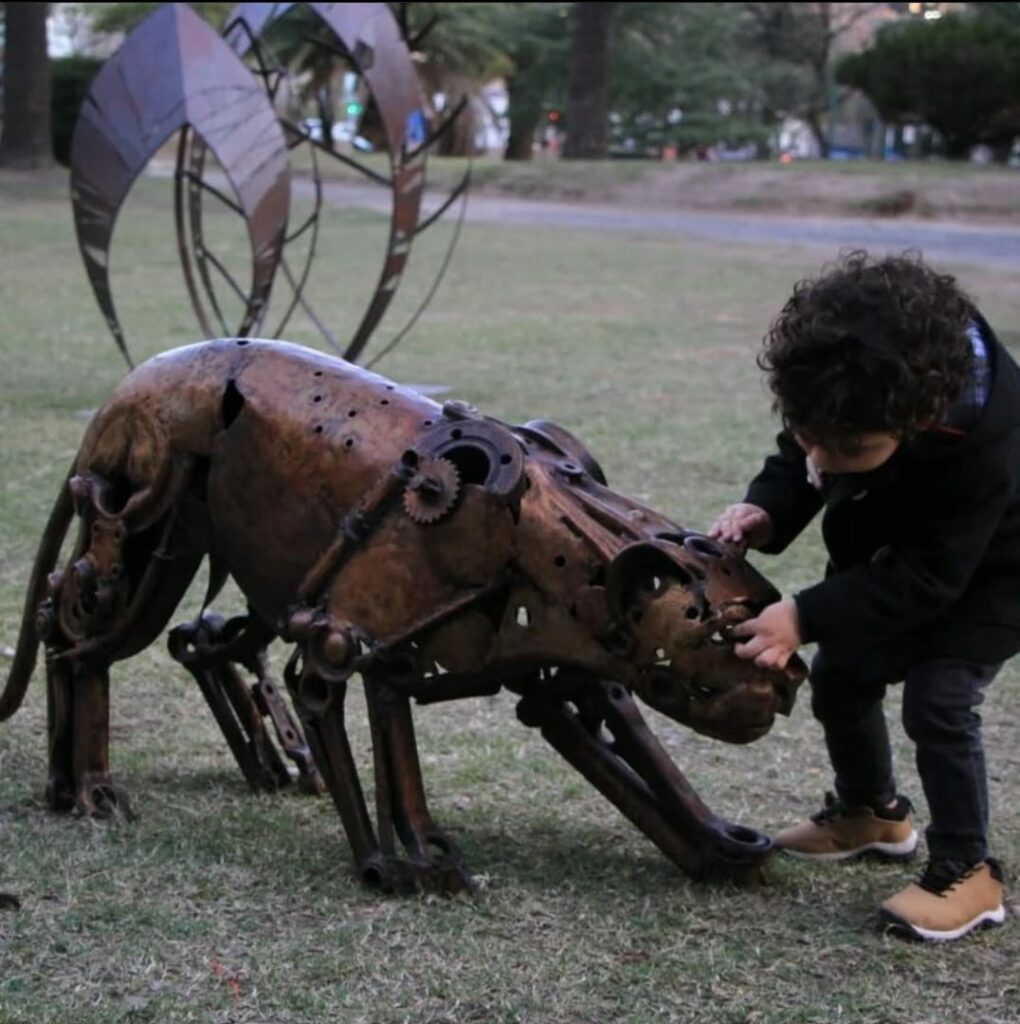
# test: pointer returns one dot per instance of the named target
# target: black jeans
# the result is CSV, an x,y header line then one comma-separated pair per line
x,y
939,701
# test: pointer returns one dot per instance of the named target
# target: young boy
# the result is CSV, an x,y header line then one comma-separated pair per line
x,y
901,415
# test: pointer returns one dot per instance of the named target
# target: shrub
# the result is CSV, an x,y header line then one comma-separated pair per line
x,y
71,79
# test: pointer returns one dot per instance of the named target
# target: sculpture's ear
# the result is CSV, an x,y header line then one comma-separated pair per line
x,y
642,566
561,441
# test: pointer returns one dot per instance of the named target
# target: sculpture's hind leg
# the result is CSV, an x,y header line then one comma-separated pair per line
x,y
59,730
210,649
125,577
95,792
434,863
78,721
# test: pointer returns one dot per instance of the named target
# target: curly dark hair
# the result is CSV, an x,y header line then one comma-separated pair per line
x,y
869,345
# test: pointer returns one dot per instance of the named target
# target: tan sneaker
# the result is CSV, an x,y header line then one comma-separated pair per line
x,y
949,901
838,832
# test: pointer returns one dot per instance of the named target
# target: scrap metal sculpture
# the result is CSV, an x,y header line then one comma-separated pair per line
x,y
175,74
437,553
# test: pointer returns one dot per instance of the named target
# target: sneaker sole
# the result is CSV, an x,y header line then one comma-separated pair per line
x,y
904,850
986,919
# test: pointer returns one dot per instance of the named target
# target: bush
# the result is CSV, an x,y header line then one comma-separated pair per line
x,y
71,79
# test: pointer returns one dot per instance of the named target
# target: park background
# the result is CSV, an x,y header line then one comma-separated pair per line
x,y
638,335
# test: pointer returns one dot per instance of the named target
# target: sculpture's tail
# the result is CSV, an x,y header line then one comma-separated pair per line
x,y
28,639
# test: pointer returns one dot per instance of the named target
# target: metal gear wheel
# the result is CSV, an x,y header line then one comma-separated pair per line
x,y
432,491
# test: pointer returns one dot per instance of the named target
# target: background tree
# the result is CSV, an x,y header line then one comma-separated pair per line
x,y
960,75
791,48
536,40
123,17
25,140
457,56
587,117
525,44
301,41
70,81
677,78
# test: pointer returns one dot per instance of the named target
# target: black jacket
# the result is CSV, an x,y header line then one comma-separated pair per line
x,y
926,548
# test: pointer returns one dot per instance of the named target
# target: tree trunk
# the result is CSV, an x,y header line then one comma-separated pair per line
x,y
814,123
459,138
520,145
958,147
587,136
325,106
525,115
26,142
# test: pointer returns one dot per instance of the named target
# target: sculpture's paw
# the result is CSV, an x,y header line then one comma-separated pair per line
x,y
737,854
444,875
311,782
387,875
60,793
98,797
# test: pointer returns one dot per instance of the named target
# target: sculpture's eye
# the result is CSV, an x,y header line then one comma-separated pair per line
x,y
699,691
703,546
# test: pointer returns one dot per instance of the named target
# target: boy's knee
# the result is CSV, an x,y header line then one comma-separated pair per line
x,y
837,696
827,702
939,704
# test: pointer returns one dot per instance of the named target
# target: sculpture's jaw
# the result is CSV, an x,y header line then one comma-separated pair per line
x,y
682,602
723,696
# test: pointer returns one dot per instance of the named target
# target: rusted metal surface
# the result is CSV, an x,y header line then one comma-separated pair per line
x,y
433,552
173,73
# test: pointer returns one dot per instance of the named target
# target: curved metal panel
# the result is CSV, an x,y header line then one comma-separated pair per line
x,y
174,71
370,34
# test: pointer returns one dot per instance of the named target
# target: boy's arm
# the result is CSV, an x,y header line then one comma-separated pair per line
x,y
910,583
782,488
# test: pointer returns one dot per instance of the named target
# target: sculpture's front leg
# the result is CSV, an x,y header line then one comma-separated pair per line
x,y
636,774
434,863
320,706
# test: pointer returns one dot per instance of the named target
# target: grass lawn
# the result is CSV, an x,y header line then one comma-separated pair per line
x,y
218,906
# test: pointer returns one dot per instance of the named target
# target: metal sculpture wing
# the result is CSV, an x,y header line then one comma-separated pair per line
x,y
173,73
176,72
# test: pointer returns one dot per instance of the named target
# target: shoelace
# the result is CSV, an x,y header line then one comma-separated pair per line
x,y
833,809
941,875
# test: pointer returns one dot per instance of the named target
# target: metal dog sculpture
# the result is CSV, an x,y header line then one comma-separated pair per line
x,y
438,553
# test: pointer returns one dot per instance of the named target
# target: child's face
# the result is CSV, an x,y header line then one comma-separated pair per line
x,y
856,453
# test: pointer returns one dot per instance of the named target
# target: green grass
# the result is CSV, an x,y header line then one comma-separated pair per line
x,y
217,906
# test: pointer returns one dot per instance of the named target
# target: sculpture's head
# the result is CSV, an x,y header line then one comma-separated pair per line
x,y
674,602
512,557
664,601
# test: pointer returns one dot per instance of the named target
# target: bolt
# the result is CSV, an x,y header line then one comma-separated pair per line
x,y
337,648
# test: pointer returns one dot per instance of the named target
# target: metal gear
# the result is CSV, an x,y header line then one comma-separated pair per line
x,y
432,491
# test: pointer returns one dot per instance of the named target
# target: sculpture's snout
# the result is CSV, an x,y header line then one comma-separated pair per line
x,y
682,596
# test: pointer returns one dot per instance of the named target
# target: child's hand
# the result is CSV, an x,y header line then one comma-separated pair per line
x,y
773,637
747,526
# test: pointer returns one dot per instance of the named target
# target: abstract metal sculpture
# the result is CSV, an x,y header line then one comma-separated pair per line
x,y
438,553
175,74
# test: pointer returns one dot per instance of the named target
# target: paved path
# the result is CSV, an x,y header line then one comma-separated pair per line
x,y
960,242
940,240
